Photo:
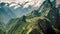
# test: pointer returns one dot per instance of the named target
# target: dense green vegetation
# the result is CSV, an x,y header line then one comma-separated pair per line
x,y
45,20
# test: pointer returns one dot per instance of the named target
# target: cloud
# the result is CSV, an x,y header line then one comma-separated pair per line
x,y
33,3
58,2
29,4
17,6
12,5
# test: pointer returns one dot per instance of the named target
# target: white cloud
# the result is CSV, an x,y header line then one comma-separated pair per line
x,y
39,3
33,3
12,5
28,4
58,2
17,6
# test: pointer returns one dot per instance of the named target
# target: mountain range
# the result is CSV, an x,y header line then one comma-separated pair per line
x,y
44,20
7,11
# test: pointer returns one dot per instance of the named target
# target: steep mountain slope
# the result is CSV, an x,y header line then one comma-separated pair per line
x,y
41,21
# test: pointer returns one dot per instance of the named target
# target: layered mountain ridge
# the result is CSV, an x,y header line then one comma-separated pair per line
x,y
40,21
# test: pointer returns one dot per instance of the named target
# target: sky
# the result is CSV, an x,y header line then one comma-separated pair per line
x,y
58,2
34,3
